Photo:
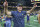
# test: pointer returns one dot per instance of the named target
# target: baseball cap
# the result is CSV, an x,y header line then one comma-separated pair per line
x,y
19,4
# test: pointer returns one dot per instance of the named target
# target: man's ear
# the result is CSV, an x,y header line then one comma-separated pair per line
x,y
16,6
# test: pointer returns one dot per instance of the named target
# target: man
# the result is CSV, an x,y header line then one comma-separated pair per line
x,y
0,21
17,15
8,21
28,18
39,16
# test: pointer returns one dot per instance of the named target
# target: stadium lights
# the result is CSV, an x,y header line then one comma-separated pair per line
x,y
37,2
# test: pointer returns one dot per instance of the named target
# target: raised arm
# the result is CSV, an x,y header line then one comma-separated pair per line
x,y
6,8
32,8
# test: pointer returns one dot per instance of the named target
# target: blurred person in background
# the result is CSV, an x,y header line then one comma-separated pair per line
x,y
39,16
7,21
0,21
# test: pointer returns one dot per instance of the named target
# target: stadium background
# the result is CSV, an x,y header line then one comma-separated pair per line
x,y
12,7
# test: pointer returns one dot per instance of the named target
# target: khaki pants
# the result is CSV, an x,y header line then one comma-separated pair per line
x,y
39,18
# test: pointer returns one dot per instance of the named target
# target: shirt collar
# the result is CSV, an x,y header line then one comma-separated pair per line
x,y
18,11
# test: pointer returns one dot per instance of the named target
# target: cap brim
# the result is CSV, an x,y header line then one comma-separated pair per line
x,y
20,6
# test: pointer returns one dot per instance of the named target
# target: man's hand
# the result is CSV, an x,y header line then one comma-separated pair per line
x,y
35,5
5,4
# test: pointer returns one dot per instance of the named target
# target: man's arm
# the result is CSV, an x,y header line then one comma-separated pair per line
x,y
6,8
32,8
7,12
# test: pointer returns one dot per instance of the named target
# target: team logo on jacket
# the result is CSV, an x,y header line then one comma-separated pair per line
x,y
22,14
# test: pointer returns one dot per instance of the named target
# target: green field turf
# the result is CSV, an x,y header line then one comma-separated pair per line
x,y
33,22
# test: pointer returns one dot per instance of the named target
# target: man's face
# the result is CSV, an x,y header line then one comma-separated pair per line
x,y
19,8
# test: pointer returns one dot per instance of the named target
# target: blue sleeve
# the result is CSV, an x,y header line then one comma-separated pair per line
x,y
12,12
24,12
